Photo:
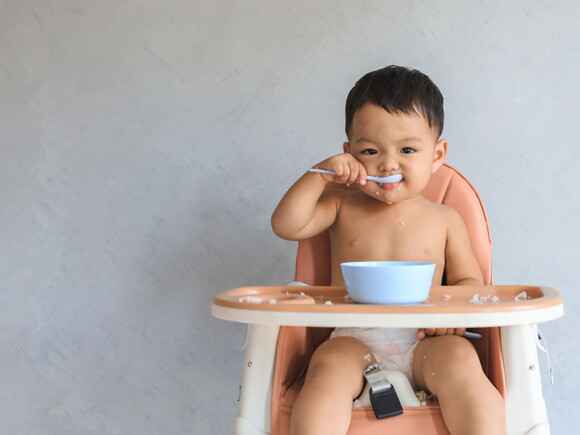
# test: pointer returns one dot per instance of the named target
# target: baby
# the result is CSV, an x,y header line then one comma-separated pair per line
x,y
394,120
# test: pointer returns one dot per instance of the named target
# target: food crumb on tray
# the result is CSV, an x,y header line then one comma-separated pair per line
x,y
476,299
251,299
522,295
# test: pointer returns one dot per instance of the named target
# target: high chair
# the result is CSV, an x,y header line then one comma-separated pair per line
x,y
286,324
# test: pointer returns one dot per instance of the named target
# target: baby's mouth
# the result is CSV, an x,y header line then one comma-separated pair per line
x,y
391,186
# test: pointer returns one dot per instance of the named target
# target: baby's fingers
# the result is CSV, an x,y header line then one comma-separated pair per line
x,y
354,171
343,173
362,174
440,331
430,331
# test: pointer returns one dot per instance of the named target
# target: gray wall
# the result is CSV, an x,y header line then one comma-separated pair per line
x,y
118,119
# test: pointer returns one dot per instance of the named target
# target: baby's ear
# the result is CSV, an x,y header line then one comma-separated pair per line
x,y
441,148
346,147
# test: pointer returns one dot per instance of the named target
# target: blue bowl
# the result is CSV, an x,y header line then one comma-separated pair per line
x,y
388,282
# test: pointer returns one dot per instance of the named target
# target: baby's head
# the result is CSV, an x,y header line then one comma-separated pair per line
x,y
394,120
399,90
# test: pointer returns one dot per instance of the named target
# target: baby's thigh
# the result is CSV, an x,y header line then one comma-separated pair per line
x,y
340,360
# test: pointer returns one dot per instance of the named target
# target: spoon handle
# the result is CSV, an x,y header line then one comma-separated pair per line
x,y
322,171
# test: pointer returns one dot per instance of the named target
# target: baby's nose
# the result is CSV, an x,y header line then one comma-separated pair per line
x,y
389,163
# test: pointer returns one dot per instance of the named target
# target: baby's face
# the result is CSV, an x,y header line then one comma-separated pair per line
x,y
388,144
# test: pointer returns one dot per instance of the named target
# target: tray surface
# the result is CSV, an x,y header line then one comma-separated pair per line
x,y
442,299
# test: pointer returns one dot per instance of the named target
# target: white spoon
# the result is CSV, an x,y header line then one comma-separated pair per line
x,y
382,180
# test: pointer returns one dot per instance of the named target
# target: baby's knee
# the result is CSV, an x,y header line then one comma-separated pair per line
x,y
457,356
341,356
453,342
448,363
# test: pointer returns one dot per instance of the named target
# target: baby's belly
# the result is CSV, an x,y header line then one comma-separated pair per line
x,y
410,245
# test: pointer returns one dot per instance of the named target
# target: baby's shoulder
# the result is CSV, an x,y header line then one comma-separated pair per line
x,y
443,212
450,218
351,204
343,196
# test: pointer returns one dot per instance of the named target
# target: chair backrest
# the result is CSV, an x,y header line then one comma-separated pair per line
x,y
447,186
296,344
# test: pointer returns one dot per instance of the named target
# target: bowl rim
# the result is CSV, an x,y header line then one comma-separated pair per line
x,y
386,264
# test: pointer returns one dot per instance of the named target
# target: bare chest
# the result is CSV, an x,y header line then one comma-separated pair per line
x,y
396,241
396,236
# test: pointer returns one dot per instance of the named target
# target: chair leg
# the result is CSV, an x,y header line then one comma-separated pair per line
x,y
525,406
254,411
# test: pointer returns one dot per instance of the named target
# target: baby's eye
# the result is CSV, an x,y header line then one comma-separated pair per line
x,y
369,152
407,150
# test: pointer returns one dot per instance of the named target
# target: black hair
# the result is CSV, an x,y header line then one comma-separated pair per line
x,y
397,89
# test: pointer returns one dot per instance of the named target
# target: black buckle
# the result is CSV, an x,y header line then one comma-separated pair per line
x,y
383,396
386,403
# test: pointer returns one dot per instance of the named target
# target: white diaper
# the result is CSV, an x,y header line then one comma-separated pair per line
x,y
393,347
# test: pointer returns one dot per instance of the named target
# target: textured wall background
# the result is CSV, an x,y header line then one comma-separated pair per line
x,y
117,119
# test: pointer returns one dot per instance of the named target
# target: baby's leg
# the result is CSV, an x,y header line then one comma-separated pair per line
x,y
448,366
334,379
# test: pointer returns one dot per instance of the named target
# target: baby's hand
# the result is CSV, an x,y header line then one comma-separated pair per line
x,y
348,170
432,332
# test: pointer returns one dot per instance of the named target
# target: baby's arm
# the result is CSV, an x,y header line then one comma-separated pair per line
x,y
461,267
306,209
